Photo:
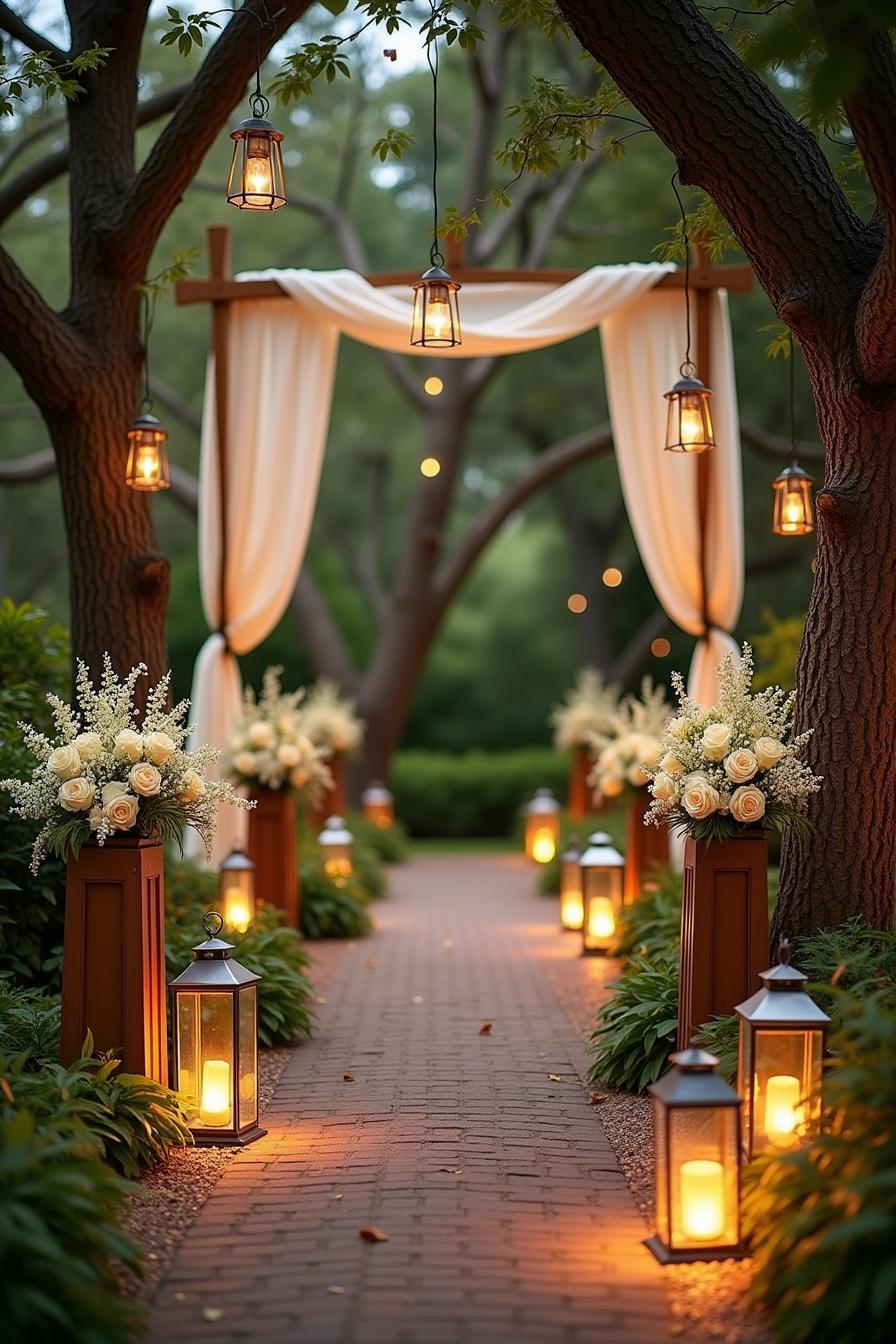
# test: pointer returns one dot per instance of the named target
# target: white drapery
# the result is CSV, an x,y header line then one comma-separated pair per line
x,y
282,360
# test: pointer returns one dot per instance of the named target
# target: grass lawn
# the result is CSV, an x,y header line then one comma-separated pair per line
x,y
476,844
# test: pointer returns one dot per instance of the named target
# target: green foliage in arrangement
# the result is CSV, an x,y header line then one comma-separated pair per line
x,y
475,793
34,659
389,843
612,820
60,1233
823,1219
651,926
636,1028
330,910
29,1025
268,948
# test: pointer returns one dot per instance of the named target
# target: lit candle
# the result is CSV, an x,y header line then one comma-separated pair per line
x,y
259,179
438,317
601,921
214,1105
338,868
236,909
148,465
702,1200
543,847
782,1109
571,911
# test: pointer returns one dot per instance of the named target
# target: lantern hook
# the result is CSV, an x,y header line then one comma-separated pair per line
x,y
213,923
785,950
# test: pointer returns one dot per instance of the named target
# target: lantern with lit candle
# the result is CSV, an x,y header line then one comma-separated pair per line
x,y
603,884
571,910
780,1048
214,1006
436,320
696,1119
147,455
542,826
794,515
256,167
378,805
688,419
335,841
236,890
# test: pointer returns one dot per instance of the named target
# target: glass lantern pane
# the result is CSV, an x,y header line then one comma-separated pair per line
x,y
571,910
786,1079
703,1174
238,899
662,1171
745,1070
187,1027
248,1052
216,1044
603,906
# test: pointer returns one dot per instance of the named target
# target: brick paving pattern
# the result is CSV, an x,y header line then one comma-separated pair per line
x,y
507,1215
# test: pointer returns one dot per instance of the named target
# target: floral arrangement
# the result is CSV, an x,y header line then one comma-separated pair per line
x,y
330,719
734,766
106,773
587,711
272,747
627,752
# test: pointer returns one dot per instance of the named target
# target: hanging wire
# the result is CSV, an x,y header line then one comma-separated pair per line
x,y
688,369
147,317
257,102
432,59
792,398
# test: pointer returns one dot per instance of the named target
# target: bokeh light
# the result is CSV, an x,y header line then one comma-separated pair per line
x,y
612,577
433,386
577,602
661,648
430,466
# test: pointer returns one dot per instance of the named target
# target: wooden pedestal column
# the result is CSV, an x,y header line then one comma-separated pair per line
x,y
332,803
724,927
645,846
579,801
113,967
272,848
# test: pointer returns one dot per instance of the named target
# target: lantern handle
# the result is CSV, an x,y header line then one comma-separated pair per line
x,y
785,950
213,923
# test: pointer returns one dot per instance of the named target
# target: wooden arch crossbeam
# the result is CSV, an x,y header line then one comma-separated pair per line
x,y
221,290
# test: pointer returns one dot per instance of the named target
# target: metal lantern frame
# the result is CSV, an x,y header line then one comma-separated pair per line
x,y
780,1009
336,842
256,138
542,814
214,972
435,288
237,875
378,804
572,904
601,860
147,436
793,484
689,396
692,1089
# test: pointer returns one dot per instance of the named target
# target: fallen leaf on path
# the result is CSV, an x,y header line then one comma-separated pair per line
x,y
7,1090
452,1171
336,1289
337,1196
212,1313
676,1329
348,1077
597,1097
555,1078
372,1234
447,942
321,998
486,1029
371,963
418,998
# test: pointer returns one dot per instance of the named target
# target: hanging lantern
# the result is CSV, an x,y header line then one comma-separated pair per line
x,y
603,884
378,805
780,1049
256,167
147,455
688,420
794,515
335,841
236,890
571,910
214,1008
696,1127
436,321
542,826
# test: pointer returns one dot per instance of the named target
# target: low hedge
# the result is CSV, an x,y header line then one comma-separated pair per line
x,y
473,793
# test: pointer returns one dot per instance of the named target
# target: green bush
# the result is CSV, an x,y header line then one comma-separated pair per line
x,y
475,793
60,1234
651,925
389,843
822,1220
29,1025
268,948
719,1036
329,910
636,1027
862,959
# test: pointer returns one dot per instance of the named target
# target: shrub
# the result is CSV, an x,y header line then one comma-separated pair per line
x,y
859,957
331,911
29,1025
612,821
474,793
636,1028
719,1037
823,1219
651,925
389,843
60,1235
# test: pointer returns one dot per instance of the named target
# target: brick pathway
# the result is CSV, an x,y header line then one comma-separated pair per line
x,y
507,1215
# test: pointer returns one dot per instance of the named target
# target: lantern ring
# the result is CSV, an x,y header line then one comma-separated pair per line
x,y
688,369
213,923
260,105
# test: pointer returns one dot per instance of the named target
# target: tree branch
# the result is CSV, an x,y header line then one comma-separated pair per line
x,y
559,203
176,404
629,660
48,355
33,467
19,31
777,448
325,643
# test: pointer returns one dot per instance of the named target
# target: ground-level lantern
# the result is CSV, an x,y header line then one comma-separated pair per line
x,y
335,841
571,909
236,890
696,1122
214,1008
147,455
781,1045
542,815
603,887
378,804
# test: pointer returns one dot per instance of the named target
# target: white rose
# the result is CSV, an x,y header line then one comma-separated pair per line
x,y
288,755
261,735
245,763
699,799
88,746
77,795
664,788
287,724
748,804
741,766
95,818
716,741
298,778
128,746
611,786
768,752
305,745
64,762
193,787
121,812
145,780
671,764
158,747
677,727
114,789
